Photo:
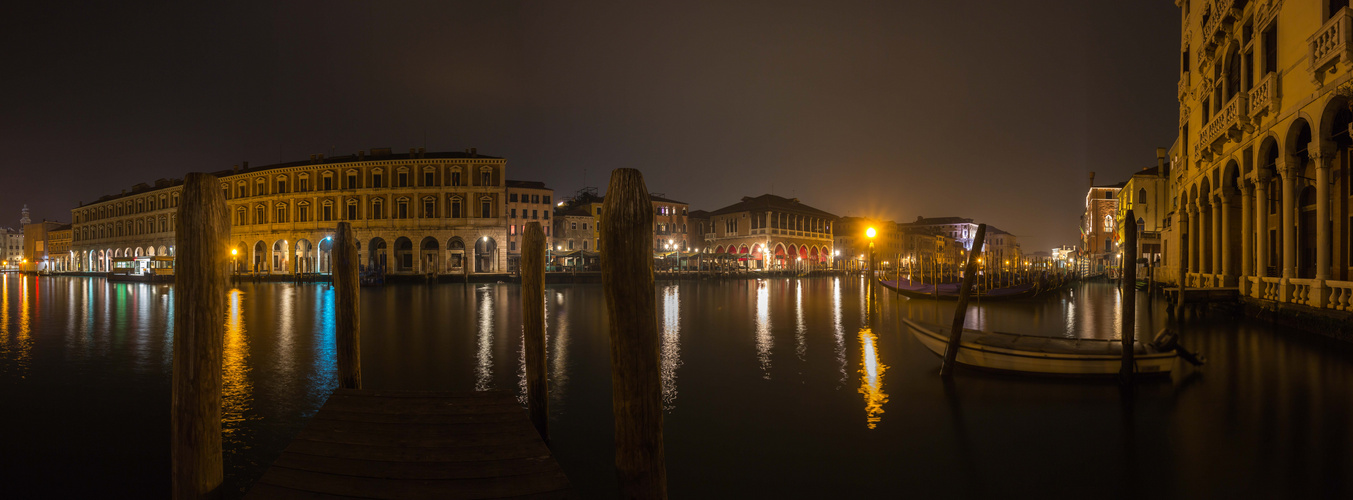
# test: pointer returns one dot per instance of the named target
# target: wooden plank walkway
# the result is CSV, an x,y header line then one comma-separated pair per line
x,y
384,444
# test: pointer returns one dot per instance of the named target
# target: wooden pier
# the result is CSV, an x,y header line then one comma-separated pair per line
x,y
384,444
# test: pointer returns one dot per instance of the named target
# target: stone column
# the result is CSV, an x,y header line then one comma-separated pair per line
x,y
1226,251
1322,216
1289,177
1261,224
1246,237
1215,267
1194,216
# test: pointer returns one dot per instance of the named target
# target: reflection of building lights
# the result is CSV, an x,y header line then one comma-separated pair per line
x,y
871,380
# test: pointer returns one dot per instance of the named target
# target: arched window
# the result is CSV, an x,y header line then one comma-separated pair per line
x,y
1108,223
1141,195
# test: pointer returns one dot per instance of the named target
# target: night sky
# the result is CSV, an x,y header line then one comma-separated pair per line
x,y
992,110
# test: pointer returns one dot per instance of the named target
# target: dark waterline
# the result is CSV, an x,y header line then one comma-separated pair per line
x,y
780,388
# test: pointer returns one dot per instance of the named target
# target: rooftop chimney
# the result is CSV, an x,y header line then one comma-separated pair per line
x,y
474,153
1161,168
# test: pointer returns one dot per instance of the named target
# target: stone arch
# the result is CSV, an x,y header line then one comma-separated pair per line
x,y
376,254
455,249
305,256
428,259
485,255
260,257
281,261
1306,232
404,254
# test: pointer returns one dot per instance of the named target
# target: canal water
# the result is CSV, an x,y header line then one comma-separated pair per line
x,y
785,388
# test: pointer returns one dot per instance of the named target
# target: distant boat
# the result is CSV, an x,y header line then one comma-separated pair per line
x,y
1033,354
950,291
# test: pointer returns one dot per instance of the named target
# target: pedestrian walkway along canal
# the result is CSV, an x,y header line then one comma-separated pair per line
x,y
774,388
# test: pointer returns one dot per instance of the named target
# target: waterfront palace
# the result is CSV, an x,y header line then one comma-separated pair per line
x,y
411,213
1260,170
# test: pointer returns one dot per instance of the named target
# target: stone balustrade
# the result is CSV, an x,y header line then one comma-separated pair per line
x,y
1301,292
1341,295
1232,116
1331,41
1264,95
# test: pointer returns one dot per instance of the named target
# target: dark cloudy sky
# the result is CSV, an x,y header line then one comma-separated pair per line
x,y
994,110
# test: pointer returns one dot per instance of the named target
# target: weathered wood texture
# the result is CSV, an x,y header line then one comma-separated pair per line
x,y
533,326
201,278
636,391
384,444
1129,291
347,308
961,310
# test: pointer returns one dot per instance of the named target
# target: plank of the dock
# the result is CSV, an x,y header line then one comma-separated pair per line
x,y
385,444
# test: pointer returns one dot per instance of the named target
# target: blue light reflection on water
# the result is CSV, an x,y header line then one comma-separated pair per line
x,y
1268,417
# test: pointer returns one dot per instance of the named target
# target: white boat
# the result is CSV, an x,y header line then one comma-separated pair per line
x,y
1044,355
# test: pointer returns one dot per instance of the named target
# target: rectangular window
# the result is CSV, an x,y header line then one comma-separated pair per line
x,y
455,178
547,200
403,210
570,244
352,211
259,216
512,198
327,212
546,215
428,179
533,213
486,209
352,181
403,179
535,198
485,179
427,209
1271,49
513,214
573,226
512,246
281,186
328,183
376,180
303,214
305,184
455,209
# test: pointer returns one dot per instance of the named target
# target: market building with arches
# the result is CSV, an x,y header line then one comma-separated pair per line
x,y
771,232
415,213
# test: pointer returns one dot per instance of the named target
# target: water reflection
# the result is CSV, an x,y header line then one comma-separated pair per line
x,y
800,329
671,344
484,367
871,380
236,388
324,368
764,340
559,351
838,330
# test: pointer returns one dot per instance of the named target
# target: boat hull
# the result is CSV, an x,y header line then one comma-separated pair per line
x,y
1042,363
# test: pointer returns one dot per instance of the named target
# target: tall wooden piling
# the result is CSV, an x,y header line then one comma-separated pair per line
x,y
346,308
636,390
961,310
533,326
200,281
1129,271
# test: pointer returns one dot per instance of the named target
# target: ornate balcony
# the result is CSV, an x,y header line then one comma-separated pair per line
x,y
1183,86
1183,115
1264,96
1219,26
1227,123
1330,45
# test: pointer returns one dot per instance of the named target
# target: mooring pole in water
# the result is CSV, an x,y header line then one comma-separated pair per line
x,y
636,388
961,310
1129,271
201,278
347,308
533,327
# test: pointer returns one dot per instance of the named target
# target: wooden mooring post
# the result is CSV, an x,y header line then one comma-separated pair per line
x,y
200,281
347,308
961,310
1129,287
636,389
533,327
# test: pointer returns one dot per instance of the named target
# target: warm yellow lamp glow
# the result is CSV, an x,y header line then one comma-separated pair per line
x,y
870,232
234,252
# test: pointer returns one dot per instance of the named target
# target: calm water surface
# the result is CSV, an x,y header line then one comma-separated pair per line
x,y
779,388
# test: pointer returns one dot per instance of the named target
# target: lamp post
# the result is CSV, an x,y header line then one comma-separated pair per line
x,y
234,266
871,233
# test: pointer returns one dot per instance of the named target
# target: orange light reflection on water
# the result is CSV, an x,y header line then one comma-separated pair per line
x,y
236,389
871,380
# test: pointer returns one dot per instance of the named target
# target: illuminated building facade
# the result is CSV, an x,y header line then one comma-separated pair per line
x,y
438,213
1099,227
1147,196
772,232
527,201
1259,175
46,247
